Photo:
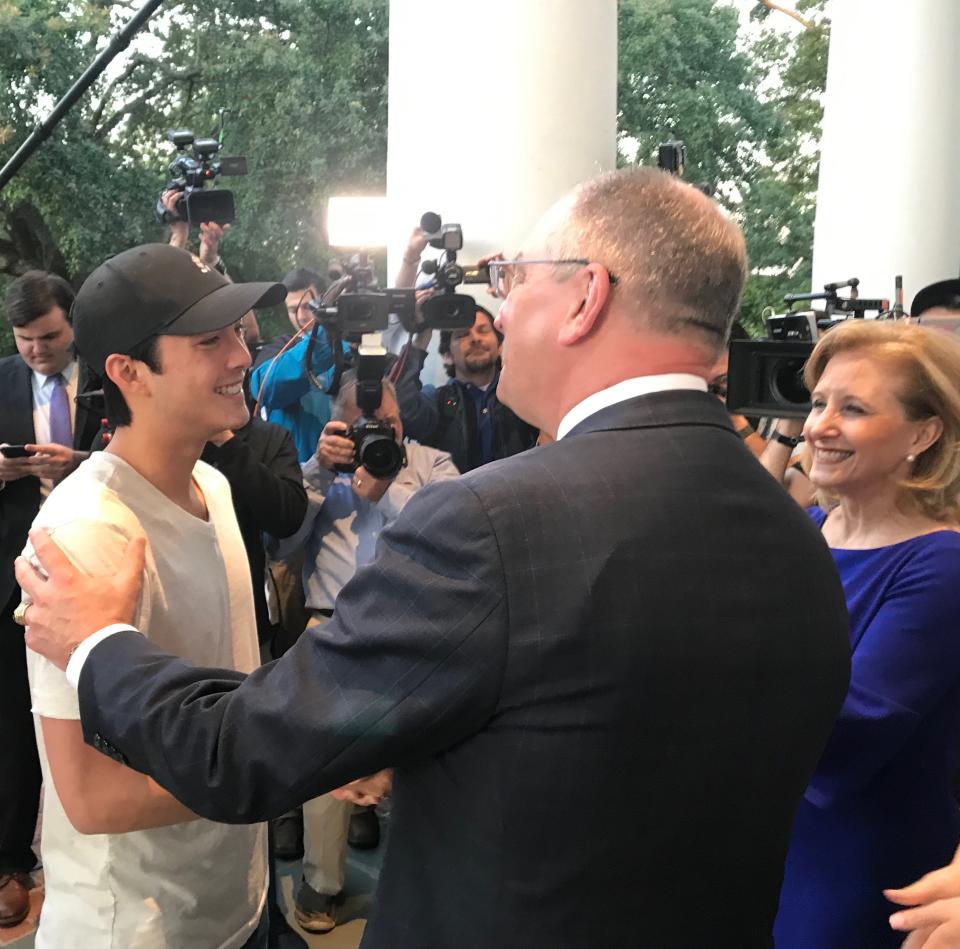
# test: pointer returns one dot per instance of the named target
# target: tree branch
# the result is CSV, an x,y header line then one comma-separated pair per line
x,y
166,80
770,5
136,60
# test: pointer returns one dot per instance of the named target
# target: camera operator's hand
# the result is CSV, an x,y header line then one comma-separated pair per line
x,y
211,234
416,245
407,274
179,229
333,448
367,487
422,339
483,261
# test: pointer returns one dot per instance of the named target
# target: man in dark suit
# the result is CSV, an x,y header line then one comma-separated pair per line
x,y
34,384
608,621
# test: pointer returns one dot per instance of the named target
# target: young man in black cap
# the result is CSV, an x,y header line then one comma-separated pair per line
x,y
163,329
938,305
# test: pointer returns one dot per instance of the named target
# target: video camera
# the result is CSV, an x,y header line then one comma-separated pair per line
x,y
672,158
192,173
447,309
765,377
353,305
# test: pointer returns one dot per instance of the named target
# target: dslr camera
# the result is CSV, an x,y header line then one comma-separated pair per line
x,y
374,442
191,173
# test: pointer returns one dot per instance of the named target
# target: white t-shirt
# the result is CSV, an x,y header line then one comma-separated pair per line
x,y
199,884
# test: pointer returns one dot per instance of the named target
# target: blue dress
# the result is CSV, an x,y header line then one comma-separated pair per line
x,y
880,810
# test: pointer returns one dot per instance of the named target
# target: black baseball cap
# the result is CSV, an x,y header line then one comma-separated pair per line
x,y
946,293
157,290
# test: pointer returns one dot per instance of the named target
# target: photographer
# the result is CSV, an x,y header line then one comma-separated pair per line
x,y
463,417
281,384
345,516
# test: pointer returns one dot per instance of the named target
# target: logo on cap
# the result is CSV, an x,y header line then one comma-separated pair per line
x,y
201,266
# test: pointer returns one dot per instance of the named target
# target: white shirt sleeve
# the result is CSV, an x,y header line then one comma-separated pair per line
x,y
96,548
79,657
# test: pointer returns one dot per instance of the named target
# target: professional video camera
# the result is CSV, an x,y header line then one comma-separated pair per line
x,y
765,377
191,173
447,309
354,305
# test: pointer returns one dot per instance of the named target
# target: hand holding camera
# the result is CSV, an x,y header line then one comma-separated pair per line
x,y
337,451
335,448
211,233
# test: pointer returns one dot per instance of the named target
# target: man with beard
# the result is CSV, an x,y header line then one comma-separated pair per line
x,y
463,417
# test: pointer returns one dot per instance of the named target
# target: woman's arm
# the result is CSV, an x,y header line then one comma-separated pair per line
x,y
905,663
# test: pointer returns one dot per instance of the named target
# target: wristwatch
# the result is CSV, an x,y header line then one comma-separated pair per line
x,y
791,441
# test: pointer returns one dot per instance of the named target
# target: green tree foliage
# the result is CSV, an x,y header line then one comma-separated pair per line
x,y
747,104
303,83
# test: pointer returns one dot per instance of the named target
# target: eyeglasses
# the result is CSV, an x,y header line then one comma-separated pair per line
x,y
506,273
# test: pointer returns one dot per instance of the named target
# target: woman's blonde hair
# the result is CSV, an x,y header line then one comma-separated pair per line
x,y
928,385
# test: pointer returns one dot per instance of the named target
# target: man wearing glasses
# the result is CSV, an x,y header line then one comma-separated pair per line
x,y
603,621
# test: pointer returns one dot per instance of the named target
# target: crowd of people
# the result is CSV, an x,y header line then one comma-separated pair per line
x,y
587,587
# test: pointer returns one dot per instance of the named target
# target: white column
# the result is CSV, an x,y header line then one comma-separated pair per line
x,y
889,193
496,109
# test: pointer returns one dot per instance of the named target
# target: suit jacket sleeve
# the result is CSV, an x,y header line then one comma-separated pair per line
x,y
418,409
410,664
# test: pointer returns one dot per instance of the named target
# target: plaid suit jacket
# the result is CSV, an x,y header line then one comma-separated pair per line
x,y
603,670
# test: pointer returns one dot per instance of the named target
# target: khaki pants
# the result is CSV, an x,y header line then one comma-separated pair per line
x,y
325,825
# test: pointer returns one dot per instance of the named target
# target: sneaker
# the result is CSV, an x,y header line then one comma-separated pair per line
x,y
320,920
364,831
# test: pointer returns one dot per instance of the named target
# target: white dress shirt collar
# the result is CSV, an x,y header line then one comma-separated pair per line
x,y
40,380
628,389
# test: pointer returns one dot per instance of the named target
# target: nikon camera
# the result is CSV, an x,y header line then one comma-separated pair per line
x,y
375,448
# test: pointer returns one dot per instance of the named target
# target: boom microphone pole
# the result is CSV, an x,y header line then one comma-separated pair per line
x,y
42,132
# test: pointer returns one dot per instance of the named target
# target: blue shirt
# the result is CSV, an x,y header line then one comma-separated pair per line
x,y
483,401
290,399
880,810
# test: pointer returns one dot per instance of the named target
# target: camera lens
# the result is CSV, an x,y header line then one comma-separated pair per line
x,y
786,381
380,455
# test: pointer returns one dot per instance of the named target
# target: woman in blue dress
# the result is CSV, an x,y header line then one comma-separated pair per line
x,y
883,449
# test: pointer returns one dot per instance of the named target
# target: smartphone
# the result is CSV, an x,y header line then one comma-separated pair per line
x,y
15,451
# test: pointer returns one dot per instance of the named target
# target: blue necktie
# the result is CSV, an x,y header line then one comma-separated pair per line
x,y
60,432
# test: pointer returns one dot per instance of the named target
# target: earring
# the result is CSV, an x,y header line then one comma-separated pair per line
x,y
911,458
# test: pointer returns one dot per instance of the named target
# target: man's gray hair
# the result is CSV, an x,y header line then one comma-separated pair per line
x,y
680,261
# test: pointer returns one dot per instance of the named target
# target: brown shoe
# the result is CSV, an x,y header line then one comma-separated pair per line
x,y
14,899
320,919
